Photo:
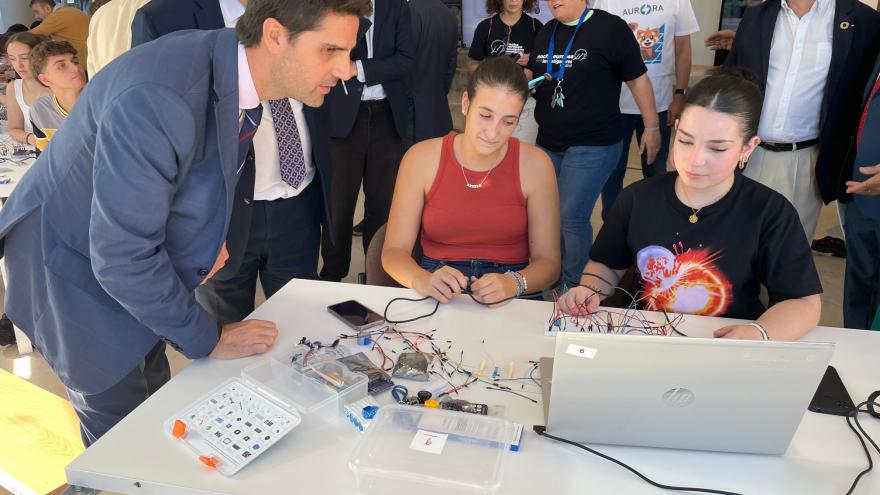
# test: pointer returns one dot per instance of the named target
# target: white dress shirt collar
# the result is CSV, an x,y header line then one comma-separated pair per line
x,y
820,6
247,92
231,10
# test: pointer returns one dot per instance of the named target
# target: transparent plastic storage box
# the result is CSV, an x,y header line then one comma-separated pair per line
x,y
290,395
311,394
412,449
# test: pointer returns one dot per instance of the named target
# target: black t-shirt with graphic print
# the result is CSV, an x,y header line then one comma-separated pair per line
x,y
493,38
604,55
714,267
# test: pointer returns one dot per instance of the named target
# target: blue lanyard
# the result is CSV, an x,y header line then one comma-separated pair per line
x,y
559,74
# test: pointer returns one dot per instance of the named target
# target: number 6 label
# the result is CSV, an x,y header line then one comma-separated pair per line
x,y
581,351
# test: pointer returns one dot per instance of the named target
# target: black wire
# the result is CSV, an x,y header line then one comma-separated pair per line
x,y
437,305
542,431
854,415
387,306
590,274
512,392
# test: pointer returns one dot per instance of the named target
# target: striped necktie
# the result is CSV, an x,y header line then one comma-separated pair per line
x,y
249,126
865,111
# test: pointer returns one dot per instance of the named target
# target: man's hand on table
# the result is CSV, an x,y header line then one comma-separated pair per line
x,y
245,338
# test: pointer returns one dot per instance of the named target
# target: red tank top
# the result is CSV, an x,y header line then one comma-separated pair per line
x,y
488,223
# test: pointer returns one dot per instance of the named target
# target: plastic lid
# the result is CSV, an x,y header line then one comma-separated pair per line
x,y
306,393
432,447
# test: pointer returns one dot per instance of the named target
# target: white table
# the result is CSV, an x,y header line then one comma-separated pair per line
x,y
15,170
137,457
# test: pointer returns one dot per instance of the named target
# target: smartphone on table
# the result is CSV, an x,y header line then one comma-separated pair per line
x,y
356,315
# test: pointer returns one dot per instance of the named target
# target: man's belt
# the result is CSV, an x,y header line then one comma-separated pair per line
x,y
770,146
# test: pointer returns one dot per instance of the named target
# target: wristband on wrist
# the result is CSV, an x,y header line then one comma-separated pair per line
x,y
521,284
652,129
760,329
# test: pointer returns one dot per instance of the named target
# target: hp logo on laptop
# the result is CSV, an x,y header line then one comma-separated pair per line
x,y
678,397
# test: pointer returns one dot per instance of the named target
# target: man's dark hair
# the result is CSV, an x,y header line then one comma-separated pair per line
x,y
497,6
50,3
297,16
16,28
499,72
41,53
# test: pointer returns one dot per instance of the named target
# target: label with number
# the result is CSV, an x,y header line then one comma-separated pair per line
x,y
428,441
581,351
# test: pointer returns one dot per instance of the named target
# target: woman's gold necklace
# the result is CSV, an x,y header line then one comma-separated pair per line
x,y
693,218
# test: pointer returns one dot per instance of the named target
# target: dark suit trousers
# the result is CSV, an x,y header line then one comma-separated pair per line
x,y
283,243
370,153
99,412
861,288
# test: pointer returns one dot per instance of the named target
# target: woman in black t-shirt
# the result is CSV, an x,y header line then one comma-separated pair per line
x,y
703,238
577,107
509,31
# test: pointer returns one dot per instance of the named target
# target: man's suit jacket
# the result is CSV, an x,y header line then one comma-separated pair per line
x,y
436,40
123,215
160,17
847,174
390,66
855,44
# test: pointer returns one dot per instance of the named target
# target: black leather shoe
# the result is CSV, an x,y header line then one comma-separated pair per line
x,y
7,333
829,246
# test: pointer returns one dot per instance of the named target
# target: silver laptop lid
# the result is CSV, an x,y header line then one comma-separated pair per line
x,y
688,393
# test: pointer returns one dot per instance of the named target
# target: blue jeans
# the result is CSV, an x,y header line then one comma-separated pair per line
x,y
632,123
581,171
476,268
471,268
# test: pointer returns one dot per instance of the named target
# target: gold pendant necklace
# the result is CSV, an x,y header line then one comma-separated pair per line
x,y
693,218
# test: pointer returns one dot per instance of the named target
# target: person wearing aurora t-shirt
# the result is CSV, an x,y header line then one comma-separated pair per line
x,y
704,238
577,109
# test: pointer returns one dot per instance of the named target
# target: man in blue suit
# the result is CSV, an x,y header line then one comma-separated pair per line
x,y
861,289
123,216
275,227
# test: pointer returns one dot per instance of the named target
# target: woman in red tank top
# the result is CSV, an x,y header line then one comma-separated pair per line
x,y
485,205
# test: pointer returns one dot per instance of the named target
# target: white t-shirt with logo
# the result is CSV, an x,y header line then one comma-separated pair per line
x,y
655,24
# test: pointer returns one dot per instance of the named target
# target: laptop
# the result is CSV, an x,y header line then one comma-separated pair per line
x,y
683,393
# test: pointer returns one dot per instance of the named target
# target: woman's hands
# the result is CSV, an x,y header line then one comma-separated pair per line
x,y
493,287
442,284
579,301
446,282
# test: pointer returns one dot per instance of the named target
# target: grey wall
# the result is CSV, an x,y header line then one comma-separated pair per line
x,y
15,11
